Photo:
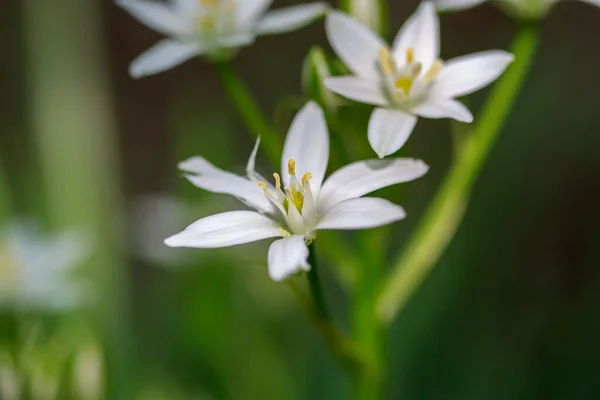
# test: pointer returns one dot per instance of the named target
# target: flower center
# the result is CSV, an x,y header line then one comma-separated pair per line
x,y
9,270
292,195
400,82
211,13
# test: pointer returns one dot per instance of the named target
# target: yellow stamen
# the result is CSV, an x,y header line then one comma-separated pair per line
x,y
307,176
386,63
410,55
416,69
404,83
292,167
209,3
433,71
284,232
277,180
264,186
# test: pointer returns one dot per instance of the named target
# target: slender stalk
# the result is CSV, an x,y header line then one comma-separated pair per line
x,y
368,333
445,213
250,112
315,306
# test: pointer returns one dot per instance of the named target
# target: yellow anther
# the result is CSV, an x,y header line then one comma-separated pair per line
x,y
386,63
416,69
292,167
404,83
307,176
209,3
264,186
410,55
283,232
433,71
277,180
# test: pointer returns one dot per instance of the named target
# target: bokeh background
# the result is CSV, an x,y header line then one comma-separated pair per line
x,y
510,311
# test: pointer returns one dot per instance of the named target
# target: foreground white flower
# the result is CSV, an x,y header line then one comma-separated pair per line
x,y
197,27
522,8
300,203
408,79
36,272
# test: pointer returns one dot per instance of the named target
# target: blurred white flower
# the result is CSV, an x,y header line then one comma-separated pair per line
x,y
407,80
300,203
36,272
522,8
209,27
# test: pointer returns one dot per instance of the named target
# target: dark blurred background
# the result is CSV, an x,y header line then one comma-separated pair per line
x,y
510,311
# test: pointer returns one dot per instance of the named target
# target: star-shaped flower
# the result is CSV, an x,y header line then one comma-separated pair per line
x,y
407,80
301,202
209,27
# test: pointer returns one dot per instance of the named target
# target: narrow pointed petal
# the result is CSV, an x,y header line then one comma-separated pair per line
x,y
358,89
162,56
224,230
290,18
389,130
362,213
250,11
355,44
363,177
421,32
208,177
444,108
287,257
456,5
155,15
307,143
467,74
250,170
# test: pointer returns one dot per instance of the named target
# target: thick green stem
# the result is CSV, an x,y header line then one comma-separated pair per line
x,y
250,112
445,213
368,333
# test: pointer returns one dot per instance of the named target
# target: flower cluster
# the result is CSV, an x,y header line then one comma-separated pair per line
x,y
403,81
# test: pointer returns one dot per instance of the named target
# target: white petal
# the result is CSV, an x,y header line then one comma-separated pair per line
x,y
354,43
389,130
162,56
249,11
252,160
290,19
235,40
307,143
421,32
456,5
186,8
466,74
287,257
224,230
362,177
155,15
362,213
208,177
444,108
358,89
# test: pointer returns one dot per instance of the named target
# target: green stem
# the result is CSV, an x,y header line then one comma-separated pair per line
x,y
445,213
250,112
368,333
342,348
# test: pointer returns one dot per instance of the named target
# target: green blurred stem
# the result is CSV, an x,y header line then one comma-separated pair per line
x,y
368,333
250,112
445,213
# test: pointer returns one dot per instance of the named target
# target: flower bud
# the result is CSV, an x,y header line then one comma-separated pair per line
x,y
372,13
315,70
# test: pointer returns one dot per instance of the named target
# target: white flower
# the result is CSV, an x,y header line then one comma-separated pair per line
x,y
408,79
35,272
300,203
197,27
523,8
